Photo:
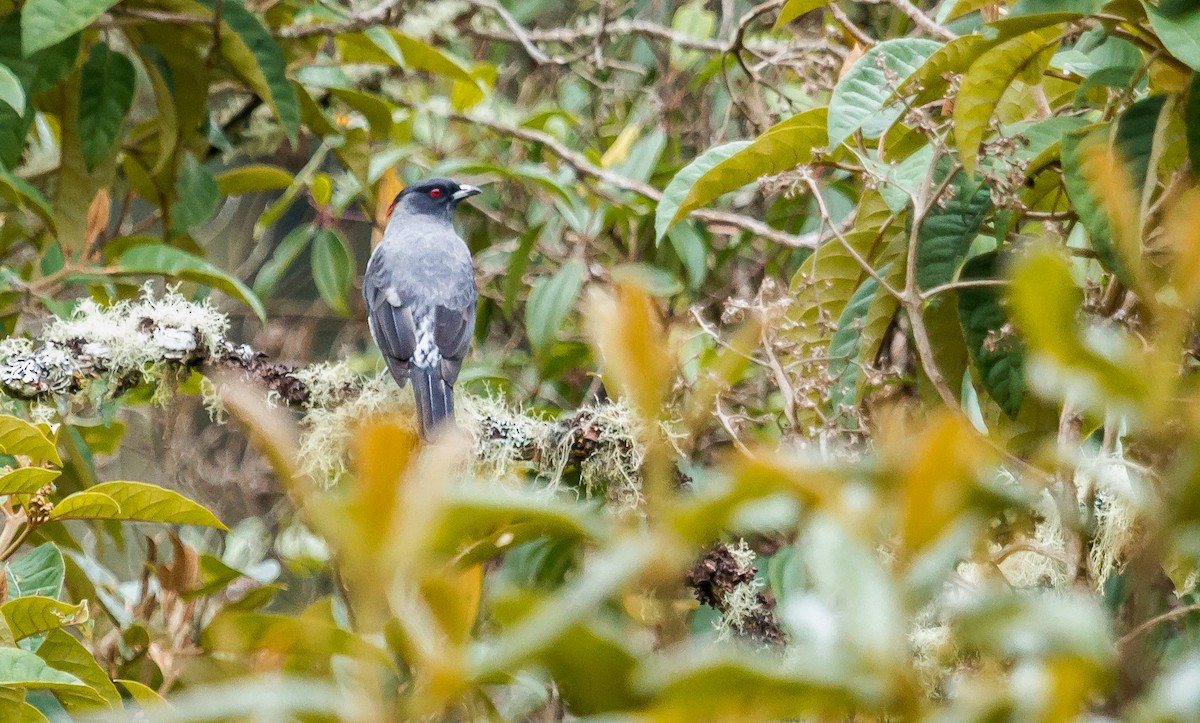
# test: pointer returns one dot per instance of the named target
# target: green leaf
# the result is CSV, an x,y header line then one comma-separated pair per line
x,y
285,254
1191,121
38,572
1044,301
947,231
987,79
681,185
420,55
1134,137
844,349
860,99
27,480
929,81
793,9
86,505
141,502
333,269
514,279
1179,33
377,111
105,97
251,178
63,652
996,351
21,668
302,636
20,437
550,300
19,192
782,147
46,22
487,521
1090,207
197,195
170,261
265,68
143,695
34,614
11,91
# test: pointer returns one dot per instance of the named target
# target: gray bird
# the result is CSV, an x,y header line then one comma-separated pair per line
x,y
421,297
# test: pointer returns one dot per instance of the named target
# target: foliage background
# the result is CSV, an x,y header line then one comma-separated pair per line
x,y
833,359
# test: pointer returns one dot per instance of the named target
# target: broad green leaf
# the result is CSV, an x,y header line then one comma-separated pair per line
x,y
591,651
37,572
681,185
251,178
63,652
997,352
949,228
550,300
782,147
302,636
930,82
285,254
1088,204
332,269
1133,137
46,22
20,437
486,521
11,91
144,695
1044,303
86,505
197,195
420,55
259,60
514,279
21,668
38,72
19,192
105,97
376,110
1191,121
987,79
27,480
860,99
1180,33
793,9
844,352
696,685
141,502
35,614
170,261
162,80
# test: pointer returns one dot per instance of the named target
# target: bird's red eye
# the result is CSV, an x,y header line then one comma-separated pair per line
x,y
436,193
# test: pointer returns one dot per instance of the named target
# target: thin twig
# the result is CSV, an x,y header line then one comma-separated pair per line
x,y
380,14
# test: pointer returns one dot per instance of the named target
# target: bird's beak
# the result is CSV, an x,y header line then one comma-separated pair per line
x,y
465,192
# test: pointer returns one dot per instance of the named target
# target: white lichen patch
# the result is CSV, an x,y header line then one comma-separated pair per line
x,y
138,336
742,601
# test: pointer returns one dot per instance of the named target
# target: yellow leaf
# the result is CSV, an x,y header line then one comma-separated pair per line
x,y
1105,171
97,216
620,148
453,598
935,479
386,190
1183,238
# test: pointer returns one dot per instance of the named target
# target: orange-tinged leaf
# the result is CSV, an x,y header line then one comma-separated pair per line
x,y
97,216
626,328
1183,238
386,190
935,480
1113,185
453,598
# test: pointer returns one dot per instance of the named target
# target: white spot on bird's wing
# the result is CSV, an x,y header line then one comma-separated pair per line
x,y
426,355
392,297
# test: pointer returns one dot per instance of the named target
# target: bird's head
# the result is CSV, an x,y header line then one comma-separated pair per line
x,y
432,197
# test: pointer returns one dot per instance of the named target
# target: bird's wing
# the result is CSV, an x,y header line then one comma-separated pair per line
x,y
389,314
453,326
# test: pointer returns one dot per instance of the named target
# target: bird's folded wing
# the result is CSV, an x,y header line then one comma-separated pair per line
x,y
452,329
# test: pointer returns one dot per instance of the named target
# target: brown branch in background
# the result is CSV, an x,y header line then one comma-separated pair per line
x,y
585,167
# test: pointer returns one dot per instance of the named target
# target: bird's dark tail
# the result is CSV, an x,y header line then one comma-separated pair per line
x,y
435,400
